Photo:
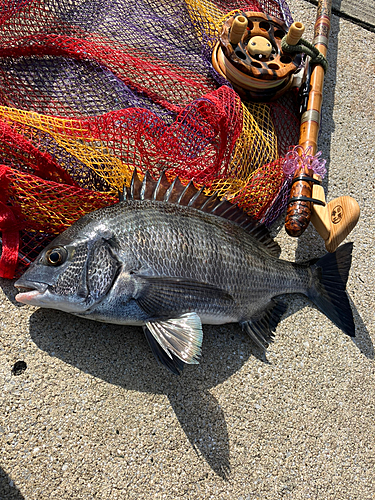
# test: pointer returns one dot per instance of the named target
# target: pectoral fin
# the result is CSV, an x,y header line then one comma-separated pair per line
x,y
155,293
178,340
261,328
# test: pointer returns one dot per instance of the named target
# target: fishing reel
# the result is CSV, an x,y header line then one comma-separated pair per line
x,y
250,56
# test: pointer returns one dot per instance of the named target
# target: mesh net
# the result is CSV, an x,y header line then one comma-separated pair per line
x,y
91,90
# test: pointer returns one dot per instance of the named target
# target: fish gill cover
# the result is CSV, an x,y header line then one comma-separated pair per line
x,y
91,90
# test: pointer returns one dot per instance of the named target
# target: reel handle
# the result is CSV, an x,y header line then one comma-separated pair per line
x,y
336,219
295,33
238,29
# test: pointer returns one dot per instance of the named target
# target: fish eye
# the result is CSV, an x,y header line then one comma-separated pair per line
x,y
56,256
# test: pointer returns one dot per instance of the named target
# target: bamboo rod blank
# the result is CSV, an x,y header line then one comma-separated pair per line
x,y
299,212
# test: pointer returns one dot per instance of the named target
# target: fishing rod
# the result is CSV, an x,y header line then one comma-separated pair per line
x,y
335,220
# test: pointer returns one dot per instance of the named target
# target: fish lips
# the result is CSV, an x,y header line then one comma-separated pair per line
x,y
30,292
38,294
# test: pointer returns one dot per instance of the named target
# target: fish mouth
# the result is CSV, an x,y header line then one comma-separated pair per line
x,y
29,292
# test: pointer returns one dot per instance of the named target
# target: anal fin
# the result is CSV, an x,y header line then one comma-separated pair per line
x,y
261,328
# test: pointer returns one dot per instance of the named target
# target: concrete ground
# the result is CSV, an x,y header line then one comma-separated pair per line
x,y
94,416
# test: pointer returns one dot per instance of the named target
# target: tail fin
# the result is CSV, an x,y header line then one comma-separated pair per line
x,y
328,293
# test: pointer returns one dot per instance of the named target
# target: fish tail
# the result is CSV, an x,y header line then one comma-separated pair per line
x,y
328,290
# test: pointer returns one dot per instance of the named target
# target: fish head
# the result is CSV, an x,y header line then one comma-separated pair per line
x,y
73,273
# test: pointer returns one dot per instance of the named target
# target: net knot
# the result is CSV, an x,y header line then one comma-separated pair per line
x,y
298,157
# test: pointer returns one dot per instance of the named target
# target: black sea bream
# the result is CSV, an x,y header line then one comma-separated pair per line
x,y
174,264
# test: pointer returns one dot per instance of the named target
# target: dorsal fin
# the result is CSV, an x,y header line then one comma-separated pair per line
x,y
190,196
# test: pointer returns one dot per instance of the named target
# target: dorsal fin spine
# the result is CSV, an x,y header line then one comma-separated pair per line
x,y
132,184
227,213
143,187
210,199
222,202
157,187
135,186
197,194
189,186
170,190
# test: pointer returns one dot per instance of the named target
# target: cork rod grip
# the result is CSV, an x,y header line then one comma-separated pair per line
x,y
299,211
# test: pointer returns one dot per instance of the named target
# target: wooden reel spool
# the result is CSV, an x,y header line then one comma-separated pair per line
x,y
249,55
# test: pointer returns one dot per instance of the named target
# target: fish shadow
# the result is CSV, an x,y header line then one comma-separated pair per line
x,y
8,490
121,356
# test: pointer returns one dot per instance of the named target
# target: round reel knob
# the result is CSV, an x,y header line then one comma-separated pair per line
x,y
249,55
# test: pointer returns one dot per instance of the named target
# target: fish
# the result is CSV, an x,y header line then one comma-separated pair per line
x,y
169,258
